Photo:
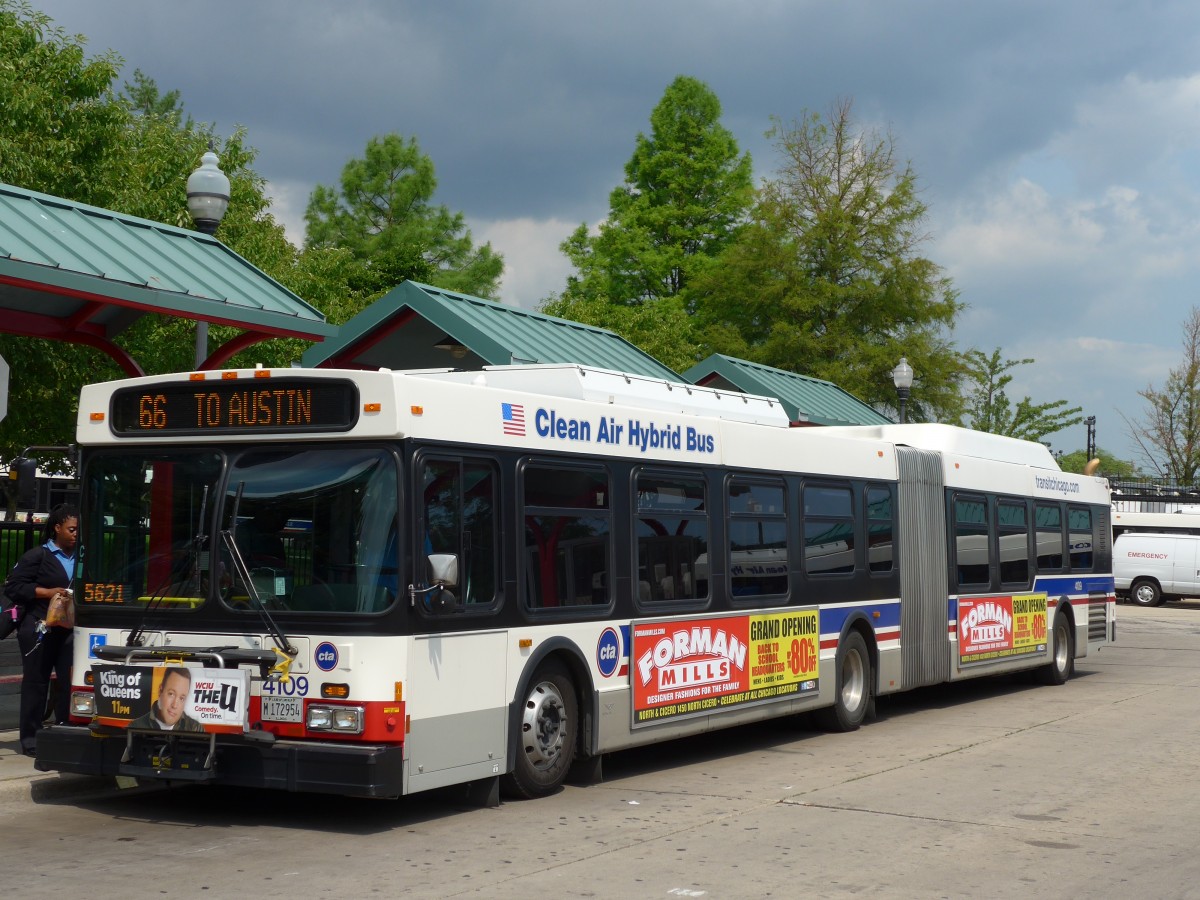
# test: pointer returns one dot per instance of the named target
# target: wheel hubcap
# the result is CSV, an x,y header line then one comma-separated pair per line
x,y
544,725
1061,649
854,681
1145,593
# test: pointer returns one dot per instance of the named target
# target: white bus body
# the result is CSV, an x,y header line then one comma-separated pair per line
x,y
634,560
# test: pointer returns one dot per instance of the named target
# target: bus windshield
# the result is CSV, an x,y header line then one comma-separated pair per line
x,y
315,528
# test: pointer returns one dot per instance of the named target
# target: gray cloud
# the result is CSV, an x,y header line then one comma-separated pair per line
x,y
1058,136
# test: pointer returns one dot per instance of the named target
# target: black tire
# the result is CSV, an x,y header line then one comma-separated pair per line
x,y
547,727
1062,654
852,687
1146,592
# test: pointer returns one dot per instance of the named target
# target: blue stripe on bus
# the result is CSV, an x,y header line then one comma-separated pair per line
x,y
834,617
1075,584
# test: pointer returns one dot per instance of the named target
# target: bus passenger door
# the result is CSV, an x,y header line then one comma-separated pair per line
x,y
455,699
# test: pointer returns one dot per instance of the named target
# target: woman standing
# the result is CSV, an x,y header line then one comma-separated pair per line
x,y
39,577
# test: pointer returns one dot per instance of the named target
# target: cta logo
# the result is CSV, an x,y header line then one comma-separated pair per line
x,y
608,652
326,656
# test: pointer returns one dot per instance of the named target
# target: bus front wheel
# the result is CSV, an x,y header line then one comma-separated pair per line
x,y
852,686
548,725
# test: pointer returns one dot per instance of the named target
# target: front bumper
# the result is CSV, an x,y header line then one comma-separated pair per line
x,y
329,768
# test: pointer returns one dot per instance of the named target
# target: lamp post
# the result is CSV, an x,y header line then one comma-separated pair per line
x,y
902,377
207,199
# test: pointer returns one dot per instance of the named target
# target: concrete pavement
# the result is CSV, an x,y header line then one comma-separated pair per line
x,y
20,781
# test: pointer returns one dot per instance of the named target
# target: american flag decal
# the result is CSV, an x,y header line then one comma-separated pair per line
x,y
514,418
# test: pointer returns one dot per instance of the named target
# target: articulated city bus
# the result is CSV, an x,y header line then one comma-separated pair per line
x,y
378,583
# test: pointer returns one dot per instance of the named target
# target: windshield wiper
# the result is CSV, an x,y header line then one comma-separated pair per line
x,y
185,566
242,571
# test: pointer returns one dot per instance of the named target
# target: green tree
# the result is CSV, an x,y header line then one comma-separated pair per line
x,y
1110,466
827,279
988,407
686,191
1168,433
67,133
60,131
658,329
145,99
381,212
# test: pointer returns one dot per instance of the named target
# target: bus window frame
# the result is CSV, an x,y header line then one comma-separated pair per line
x,y
971,587
521,510
752,601
420,457
684,604
890,487
998,531
1064,554
1092,519
821,578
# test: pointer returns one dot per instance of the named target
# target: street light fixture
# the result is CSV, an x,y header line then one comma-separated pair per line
x,y
208,193
207,199
902,377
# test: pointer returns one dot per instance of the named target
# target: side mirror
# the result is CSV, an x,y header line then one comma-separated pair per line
x,y
443,573
443,569
442,602
26,470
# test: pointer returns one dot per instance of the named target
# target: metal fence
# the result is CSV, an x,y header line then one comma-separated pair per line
x,y
15,539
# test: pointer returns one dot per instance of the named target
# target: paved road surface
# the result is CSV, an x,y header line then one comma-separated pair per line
x,y
988,789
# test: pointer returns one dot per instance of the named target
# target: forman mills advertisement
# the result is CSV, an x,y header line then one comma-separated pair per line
x,y
688,667
996,627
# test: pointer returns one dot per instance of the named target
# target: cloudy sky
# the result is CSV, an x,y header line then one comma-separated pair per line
x,y
1058,144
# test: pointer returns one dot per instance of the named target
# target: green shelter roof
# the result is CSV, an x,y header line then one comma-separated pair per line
x,y
82,274
819,402
416,326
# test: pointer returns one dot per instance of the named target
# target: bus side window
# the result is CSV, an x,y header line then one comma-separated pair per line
x,y
568,540
1012,525
459,515
672,537
1048,522
758,547
879,529
1082,539
971,545
829,530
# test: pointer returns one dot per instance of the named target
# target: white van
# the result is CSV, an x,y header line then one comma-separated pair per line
x,y
1150,568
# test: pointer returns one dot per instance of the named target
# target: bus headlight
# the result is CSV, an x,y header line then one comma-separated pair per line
x,y
347,719
83,704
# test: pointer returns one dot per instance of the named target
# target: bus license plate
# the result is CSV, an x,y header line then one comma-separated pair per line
x,y
282,709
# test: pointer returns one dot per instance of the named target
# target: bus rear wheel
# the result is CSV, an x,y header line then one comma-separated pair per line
x,y
548,726
1062,659
852,687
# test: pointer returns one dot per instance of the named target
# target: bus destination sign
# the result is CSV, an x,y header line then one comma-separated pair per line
x,y
240,406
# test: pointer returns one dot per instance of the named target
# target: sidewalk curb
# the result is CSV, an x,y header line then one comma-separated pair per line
x,y
21,782
52,787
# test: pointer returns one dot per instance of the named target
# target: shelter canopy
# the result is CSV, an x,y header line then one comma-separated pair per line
x,y
416,326
81,274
